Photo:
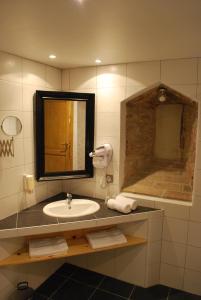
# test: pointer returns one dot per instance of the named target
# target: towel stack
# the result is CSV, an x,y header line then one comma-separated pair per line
x,y
47,246
123,203
106,238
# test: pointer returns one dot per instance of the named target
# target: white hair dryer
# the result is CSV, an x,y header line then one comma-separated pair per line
x,y
102,156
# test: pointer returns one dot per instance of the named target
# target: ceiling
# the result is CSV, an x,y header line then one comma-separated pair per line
x,y
116,31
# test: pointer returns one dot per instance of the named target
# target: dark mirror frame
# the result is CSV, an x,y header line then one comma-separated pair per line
x,y
40,96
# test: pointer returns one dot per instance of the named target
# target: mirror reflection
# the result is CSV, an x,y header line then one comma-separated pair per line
x,y
11,126
64,135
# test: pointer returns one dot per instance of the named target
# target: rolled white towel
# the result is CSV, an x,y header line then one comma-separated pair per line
x,y
119,206
123,199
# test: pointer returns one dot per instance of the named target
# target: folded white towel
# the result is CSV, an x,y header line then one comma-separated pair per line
x,y
105,238
123,199
47,246
119,206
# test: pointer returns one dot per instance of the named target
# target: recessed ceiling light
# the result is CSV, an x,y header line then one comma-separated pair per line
x,y
98,61
52,56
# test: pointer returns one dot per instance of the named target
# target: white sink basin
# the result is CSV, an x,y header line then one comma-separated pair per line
x,y
79,208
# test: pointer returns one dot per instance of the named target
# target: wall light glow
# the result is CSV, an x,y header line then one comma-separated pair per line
x,y
98,61
52,56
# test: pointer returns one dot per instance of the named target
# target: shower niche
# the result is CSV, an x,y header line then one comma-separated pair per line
x,y
158,133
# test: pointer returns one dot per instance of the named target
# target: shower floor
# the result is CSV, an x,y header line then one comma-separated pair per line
x,y
163,180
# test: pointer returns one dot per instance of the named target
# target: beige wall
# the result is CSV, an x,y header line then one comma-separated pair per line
x,y
19,79
181,242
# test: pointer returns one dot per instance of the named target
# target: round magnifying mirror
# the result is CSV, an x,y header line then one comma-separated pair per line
x,y
11,126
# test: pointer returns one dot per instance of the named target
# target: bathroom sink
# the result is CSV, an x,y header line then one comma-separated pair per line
x,y
79,208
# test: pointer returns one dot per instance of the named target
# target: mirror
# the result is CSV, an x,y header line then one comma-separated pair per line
x,y
64,134
11,126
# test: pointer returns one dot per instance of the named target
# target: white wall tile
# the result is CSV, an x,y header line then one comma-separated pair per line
x,y
194,234
143,73
152,275
130,264
139,229
173,210
34,73
175,230
27,199
80,261
40,271
10,67
28,97
11,181
111,76
171,276
109,99
193,258
53,188
155,227
11,96
28,124
154,252
197,182
192,281
103,193
199,70
85,90
173,253
132,90
53,78
9,206
107,124
82,187
65,80
188,90
195,210
83,78
28,151
7,286
179,71
41,192
102,262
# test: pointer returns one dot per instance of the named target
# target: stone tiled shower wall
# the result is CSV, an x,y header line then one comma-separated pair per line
x,y
159,157
19,79
181,243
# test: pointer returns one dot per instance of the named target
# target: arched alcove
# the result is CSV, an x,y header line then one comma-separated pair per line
x,y
158,135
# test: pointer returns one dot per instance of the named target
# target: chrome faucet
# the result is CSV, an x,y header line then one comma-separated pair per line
x,y
69,198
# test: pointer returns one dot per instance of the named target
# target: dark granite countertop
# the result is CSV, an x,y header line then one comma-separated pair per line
x,y
34,216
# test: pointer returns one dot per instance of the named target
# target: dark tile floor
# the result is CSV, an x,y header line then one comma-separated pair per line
x,y
73,283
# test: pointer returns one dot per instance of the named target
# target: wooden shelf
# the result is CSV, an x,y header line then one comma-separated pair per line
x,y
77,246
